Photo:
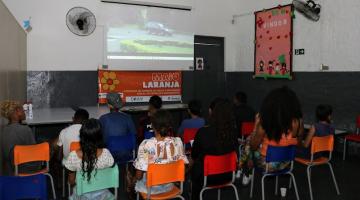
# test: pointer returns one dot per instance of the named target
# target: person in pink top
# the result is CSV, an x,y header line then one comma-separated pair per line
x,y
279,123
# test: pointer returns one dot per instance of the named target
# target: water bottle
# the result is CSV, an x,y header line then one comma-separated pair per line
x,y
283,193
25,108
30,108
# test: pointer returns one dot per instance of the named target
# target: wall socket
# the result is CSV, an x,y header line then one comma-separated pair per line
x,y
324,67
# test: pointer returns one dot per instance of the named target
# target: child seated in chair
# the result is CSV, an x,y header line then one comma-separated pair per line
x,y
89,158
160,149
323,127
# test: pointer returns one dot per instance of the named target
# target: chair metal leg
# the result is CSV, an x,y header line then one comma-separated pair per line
x,y
276,185
295,186
52,184
219,194
63,182
334,179
69,190
263,187
236,192
309,181
290,183
201,194
137,196
116,193
344,152
252,183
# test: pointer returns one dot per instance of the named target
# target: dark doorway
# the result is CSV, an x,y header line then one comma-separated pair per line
x,y
210,82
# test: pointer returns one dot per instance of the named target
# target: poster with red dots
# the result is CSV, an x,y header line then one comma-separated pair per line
x,y
273,43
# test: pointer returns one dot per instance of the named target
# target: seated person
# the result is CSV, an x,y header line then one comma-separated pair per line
x,y
323,127
91,156
160,149
196,121
218,138
15,134
71,133
116,123
279,123
243,112
155,103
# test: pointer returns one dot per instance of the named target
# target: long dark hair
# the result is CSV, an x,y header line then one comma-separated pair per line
x,y
162,122
90,140
222,118
279,108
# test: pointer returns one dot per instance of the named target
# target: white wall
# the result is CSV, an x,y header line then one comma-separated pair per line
x,y
332,41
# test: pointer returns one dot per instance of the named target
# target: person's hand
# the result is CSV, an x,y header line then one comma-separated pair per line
x,y
257,121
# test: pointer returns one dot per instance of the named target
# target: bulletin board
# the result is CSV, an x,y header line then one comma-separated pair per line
x,y
139,86
273,43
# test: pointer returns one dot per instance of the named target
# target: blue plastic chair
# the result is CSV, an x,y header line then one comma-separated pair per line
x,y
23,187
122,148
149,134
276,154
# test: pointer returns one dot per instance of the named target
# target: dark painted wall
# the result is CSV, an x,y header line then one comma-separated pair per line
x,y
340,89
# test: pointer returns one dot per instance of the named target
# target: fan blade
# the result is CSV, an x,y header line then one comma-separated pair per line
x,y
307,11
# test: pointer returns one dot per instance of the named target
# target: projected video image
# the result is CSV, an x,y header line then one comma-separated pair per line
x,y
148,33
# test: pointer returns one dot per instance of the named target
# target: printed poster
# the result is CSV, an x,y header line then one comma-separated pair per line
x,y
135,86
273,43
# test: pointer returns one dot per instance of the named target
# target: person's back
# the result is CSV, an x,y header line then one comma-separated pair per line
x,y
116,124
242,111
195,121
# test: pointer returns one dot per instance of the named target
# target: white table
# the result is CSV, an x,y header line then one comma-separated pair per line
x,y
337,131
45,116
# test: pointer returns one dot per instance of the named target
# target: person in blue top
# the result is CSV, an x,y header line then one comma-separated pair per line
x,y
196,121
322,128
116,123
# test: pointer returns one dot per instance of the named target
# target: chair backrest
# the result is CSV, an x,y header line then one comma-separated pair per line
x,y
31,153
280,153
220,163
74,146
100,179
247,128
149,134
23,187
159,174
189,134
324,143
122,143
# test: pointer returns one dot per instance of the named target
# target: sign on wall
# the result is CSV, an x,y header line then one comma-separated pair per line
x,y
135,86
273,43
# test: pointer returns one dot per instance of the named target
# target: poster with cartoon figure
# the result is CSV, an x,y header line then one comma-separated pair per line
x,y
273,43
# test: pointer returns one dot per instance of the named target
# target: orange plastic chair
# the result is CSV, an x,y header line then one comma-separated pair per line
x,y
355,137
159,174
218,165
33,153
74,146
246,129
189,135
320,144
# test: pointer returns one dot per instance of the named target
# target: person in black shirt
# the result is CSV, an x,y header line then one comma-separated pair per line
x,y
243,112
217,138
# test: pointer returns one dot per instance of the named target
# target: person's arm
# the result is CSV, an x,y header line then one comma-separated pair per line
x,y
139,174
258,134
309,137
180,131
72,178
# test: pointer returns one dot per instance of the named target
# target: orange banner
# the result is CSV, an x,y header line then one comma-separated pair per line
x,y
140,86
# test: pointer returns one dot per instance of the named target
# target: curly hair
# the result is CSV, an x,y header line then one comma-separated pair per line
x,y
278,110
162,122
7,108
223,120
90,140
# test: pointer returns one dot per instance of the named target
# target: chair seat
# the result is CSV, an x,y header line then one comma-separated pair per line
x,y
353,137
219,186
276,173
318,161
167,195
43,171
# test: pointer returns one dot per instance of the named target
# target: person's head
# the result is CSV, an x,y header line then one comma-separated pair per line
x,y
114,101
240,98
213,104
155,103
323,113
13,111
80,116
161,122
194,108
223,120
91,140
280,113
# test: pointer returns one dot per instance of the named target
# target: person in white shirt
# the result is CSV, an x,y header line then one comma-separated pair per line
x,y
71,133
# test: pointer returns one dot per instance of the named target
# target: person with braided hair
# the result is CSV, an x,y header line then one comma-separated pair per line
x,y
15,133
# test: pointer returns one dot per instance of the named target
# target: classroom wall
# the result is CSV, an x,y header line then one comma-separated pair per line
x,y
12,62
